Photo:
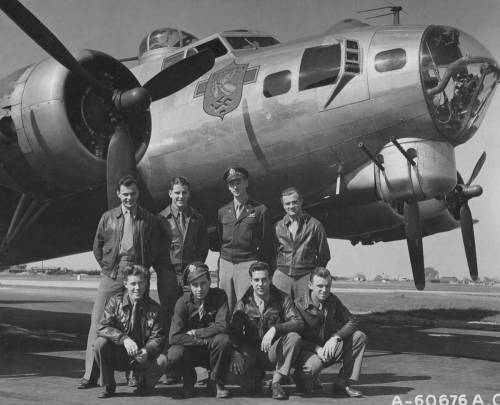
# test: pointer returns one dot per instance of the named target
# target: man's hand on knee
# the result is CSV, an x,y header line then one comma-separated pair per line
x,y
141,356
330,347
267,339
237,366
130,347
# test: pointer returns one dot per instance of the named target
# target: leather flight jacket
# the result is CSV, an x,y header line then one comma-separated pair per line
x,y
308,250
116,323
192,246
321,325
186,317
248,325
109,234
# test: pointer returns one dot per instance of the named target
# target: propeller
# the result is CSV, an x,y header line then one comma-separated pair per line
x,y
457,201
125,103
413,231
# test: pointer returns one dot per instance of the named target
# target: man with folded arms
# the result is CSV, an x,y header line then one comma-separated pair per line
x,y
265,330
130,335
330,335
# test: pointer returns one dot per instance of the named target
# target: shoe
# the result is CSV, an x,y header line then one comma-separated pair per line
x,y
84,384
132,381
278,392
317,386
142,392
216,389
346,391
108,392
173,380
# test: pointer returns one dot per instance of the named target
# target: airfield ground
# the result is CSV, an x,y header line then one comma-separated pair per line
x,y
442,341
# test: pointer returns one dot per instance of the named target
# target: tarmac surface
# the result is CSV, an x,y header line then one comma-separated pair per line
x,y
43,332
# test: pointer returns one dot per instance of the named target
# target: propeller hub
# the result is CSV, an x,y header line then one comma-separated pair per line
x,y
472,191
137,99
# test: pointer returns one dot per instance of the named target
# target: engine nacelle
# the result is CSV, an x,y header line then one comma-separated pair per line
x,y
434,173
63,124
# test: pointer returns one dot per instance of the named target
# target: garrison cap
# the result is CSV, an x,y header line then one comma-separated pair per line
x,y
235,172
194,271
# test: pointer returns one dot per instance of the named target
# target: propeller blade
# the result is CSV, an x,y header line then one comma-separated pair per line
x,y
416,251
39,33
413,233
412,221
179,75
120,162
467,227
477,168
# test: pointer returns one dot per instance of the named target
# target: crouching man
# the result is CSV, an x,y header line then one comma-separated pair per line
x,y
330,335
198,332
265,330
130,335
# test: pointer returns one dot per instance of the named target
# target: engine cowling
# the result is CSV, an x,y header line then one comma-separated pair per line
x,y
63,125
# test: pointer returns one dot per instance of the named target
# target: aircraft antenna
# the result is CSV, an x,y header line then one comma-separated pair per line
x,y
394,11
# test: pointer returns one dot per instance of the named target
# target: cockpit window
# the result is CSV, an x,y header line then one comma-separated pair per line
x,y
215,45
251,42
165,38
320,66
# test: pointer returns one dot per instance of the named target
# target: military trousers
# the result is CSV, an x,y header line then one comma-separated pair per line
x,y
111,357
350,351
214,356
281,357
234,280
169,291
294,286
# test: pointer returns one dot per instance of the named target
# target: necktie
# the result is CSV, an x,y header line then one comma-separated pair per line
x,y
127,242
135,325
294,226
201,311
182,223
239,210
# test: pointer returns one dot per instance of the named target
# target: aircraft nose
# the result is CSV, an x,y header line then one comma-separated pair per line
x,y
459,76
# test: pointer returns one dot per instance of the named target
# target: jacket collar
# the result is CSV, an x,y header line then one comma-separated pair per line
x,y
117,211
303,217
172,210
274,296
307,303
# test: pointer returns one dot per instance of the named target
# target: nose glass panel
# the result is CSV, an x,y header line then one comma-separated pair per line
x,y
459,76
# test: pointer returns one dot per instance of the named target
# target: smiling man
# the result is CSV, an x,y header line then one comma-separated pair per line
x,y
330,335
245,236
265,330
130,335
185,239
301,246
126,235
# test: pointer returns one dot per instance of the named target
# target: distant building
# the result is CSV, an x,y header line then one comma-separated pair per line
x,y
382,278
449,280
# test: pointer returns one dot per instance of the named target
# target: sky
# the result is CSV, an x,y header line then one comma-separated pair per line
x,y
117,27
